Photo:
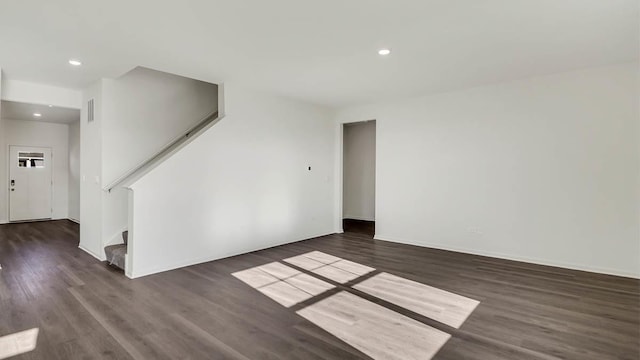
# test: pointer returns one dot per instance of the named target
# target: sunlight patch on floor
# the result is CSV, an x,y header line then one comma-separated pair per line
x,y
18,343
371,328
440,305
329,266
283,284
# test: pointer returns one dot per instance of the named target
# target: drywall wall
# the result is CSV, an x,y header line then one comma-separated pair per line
x,y
74,171
359,171
90,174
114,215
28,92
4,212
3,167
544,170
136,115
144,110
243,185
54,136
33,93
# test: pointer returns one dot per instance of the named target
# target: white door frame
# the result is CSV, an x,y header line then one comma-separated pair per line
x,y
338,170
8,169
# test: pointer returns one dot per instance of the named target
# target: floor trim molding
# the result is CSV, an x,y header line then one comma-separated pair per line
x,y
138,273
511,257
91,253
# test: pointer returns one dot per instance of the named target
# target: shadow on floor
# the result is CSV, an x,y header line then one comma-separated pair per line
x,y
359,226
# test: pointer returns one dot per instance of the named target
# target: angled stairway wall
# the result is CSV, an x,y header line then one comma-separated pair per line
x,y
242,185
135,116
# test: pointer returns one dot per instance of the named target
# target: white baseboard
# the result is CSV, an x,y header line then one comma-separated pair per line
x,y
74,220
91,253
180,264
569,266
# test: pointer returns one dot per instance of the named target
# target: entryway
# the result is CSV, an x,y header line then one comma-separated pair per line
x,y
30,183
359,177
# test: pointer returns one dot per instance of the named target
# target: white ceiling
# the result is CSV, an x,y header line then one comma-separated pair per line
x,y
324,51
24,111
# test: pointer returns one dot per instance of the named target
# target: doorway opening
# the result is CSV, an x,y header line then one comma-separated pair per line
x,y
39,167
359,178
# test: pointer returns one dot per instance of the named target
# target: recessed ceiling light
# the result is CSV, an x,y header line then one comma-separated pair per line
x,y
75,62
37,114
50,105
384,52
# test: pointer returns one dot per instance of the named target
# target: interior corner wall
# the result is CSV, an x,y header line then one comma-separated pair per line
x,y
4,216
74,171
544,170
51,135
115,217
359,171
144,110
252,190
91,173
136,115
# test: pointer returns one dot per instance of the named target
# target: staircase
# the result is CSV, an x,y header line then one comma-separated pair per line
x,y
116,254
117,194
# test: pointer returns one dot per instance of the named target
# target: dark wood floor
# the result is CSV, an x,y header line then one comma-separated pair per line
x,y
86,310
361,227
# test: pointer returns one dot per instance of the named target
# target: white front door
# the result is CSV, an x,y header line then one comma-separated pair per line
x,y
29,183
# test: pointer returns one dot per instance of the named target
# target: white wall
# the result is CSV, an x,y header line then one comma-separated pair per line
x,y
90,174
4,217
23,91
243,185
144,110
33,93
136,116
54,136
544,170
359,171
74,171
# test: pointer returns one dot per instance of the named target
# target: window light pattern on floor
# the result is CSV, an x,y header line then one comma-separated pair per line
x,y
18,343
282,283
445,307
371,328
329,266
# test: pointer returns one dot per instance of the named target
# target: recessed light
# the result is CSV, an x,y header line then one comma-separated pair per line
x,y
75,62
50,105
384,52
37,114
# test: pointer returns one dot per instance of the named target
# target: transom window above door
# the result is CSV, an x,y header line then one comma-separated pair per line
x,y
30,159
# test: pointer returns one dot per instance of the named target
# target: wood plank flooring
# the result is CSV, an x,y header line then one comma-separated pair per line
x,y
374,329
443,306
86,310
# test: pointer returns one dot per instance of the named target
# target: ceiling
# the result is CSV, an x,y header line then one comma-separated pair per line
x,y
24,111
323,52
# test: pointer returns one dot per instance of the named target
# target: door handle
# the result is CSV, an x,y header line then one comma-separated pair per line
x,y
13,182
